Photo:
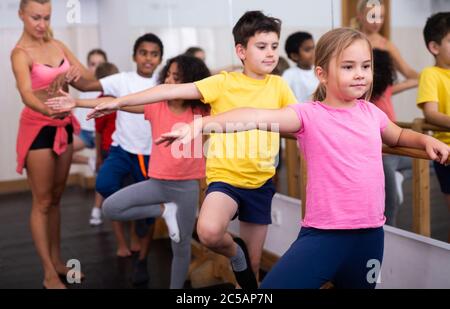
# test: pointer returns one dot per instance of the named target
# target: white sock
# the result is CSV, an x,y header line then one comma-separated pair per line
x,y
96,213
170,215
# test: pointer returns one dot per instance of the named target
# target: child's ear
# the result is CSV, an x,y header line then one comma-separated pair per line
x,y
241,52
294,57
433,47
321,75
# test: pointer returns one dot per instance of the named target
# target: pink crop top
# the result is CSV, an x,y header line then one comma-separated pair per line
x,y
43,75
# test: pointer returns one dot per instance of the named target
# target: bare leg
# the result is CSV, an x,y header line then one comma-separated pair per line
x,y
119,232
98,200
61,174
41,168
78,145
135,243
254,236
145,243
216,213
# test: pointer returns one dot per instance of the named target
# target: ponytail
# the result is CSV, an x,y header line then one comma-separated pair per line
x,y
320,94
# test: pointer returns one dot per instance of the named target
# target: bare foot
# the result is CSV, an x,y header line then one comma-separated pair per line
x,y
53,283
123,252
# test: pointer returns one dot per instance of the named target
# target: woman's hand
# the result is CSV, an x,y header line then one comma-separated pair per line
x,y
63,79
61,104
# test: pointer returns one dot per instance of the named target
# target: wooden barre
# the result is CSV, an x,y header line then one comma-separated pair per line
x,y
422,125
408,152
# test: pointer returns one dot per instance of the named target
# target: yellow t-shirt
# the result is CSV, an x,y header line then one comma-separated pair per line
x,y
434,86
243,159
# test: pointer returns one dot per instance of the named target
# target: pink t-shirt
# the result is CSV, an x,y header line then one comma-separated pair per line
x,y
176,162
343,149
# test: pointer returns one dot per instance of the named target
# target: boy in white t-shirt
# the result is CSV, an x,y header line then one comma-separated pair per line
x,y
301,78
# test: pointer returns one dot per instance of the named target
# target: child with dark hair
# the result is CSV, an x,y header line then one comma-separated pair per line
x,y
301,78
384,87
434,88
196,52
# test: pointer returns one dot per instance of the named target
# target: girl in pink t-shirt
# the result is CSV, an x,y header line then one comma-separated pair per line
x,y
340,135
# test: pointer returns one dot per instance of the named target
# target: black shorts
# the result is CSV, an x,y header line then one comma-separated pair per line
x,y
46,137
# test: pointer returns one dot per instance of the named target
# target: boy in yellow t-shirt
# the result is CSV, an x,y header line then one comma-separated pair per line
x,y
239,166
434,88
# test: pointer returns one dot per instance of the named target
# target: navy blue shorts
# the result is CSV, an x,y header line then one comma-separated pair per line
x,y
254,205
443,175
88,138
350,259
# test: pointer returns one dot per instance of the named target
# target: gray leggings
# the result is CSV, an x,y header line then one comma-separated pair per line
x,y
142,200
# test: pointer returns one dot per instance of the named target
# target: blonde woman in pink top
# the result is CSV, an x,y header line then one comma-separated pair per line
x,y
340,135
42,65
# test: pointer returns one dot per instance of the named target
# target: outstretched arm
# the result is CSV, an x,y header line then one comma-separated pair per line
x,y
242,119
393,136
155,94
67,102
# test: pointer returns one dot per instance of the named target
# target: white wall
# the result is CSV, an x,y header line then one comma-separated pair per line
x,y
181,24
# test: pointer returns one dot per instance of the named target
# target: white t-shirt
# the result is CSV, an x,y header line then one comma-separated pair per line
x,y
302,82
133,132
81,113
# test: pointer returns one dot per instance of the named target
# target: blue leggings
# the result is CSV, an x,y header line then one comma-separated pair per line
x,y
350,259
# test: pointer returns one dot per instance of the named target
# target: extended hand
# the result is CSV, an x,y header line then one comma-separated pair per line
x,y
103,109
184,135
61,104
437,150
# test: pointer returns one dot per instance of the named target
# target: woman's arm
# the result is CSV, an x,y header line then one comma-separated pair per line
x,y
21,64
400,64
404,85
87,80
393,136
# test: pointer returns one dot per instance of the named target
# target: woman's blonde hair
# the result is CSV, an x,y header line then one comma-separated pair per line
x,y
331,45
23,3
361,6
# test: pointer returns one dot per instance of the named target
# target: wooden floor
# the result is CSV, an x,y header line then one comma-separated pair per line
x,y
95,248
